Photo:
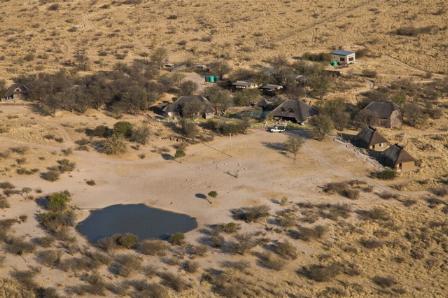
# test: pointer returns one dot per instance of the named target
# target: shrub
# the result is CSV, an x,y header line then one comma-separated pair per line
x,y
317,57
188,88
190,266
387,174
45,241
65,165
371,243
56,222
6,185
58,201
140,135
127,240
50,258
180,152
213,194
4,203
113,145
228,127
51,175
342,188
228,228
174,282
18,246
188,128
270,261
124,265
99,131
321,273
375,214
384,282
243,244
177,239
308,234
123,129
286,250
153,247
251,214
321,126
197,250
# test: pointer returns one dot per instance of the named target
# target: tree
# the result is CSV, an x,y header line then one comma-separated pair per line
x,y
2,87
219,98
188,88
319,85
220,68
159,57
192,108
189,128
246,97
180,151
82,60
322,125
414,114
293,145
336,110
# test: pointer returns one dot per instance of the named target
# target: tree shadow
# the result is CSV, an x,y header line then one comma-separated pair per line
x,y
279,147
167,156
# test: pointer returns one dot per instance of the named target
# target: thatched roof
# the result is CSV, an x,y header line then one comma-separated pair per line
x,y
181,102
381,109
396,154
15,88
370,136
293,109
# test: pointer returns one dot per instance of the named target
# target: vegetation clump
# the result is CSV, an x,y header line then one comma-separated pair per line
x,y
251,214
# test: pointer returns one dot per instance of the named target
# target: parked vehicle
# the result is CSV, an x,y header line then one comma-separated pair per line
x,y
277,129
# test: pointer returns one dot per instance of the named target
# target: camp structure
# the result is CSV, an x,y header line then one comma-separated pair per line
x,y
271,89
383,114
398,159
14,92
342,57
190,106
370,138
293,110
241,85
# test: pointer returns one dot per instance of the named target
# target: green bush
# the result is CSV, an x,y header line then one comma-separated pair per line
x,y
51,175
153,247
123,129
113,146
127,240
321,273
251,214
228,127
58,201
213,194
387,174
101,131
177,239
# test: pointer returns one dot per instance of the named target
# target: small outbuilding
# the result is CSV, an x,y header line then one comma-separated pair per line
x,y
271,89
190,106
343,57
370,138
383,114
293,110
241,85
398,159
15,92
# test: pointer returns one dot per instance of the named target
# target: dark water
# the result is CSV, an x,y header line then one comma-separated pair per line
x,y
138,219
